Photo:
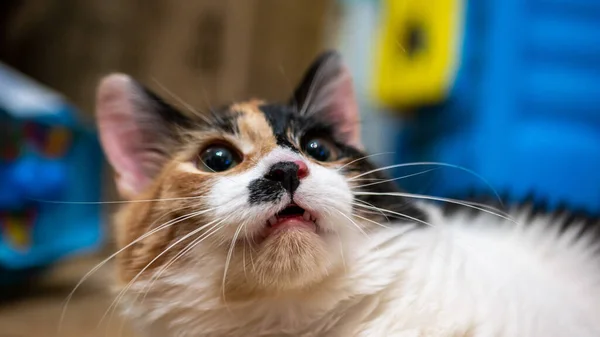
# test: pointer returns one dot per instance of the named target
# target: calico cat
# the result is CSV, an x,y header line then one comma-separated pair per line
x,y
266,219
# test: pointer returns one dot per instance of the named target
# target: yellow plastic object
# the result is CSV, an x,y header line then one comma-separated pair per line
x,y
17,230
418,52
58,142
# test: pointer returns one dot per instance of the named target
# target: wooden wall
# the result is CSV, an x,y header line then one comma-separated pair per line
x,y
207,52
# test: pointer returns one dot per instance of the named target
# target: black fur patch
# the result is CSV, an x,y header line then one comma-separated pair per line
x,y
226,121
220,119
167,113
264,191
284,142
285,120
280,118
534,206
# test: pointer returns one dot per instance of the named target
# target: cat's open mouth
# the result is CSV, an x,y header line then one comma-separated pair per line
x,y
292,217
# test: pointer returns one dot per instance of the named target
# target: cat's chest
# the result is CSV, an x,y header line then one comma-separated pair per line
x,y
258,320
443,283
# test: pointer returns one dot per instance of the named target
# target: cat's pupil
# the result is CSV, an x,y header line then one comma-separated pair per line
x,y
218,159
316,149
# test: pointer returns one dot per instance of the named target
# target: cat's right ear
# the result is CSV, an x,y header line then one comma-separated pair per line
x,y
326,91
137,131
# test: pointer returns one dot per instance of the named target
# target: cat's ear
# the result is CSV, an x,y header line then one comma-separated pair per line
x,y
137,131
327,92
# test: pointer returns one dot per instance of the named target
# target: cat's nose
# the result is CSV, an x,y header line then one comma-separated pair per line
x,y
288,174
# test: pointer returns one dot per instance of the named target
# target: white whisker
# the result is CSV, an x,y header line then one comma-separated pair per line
x,y
399,214
115,202
184,251
103,262
371,221
480,207
435,164
368,179
124,290
394,179
363,158
364,202
352,221
182,102
342,251
229,255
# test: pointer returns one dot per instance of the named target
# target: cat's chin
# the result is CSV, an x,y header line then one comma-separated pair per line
x,y
288,259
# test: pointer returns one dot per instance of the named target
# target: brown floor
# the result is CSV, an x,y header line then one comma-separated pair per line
x,y
36,312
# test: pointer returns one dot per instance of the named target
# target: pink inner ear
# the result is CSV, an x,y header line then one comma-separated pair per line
x,y
344,110
336,101
120,134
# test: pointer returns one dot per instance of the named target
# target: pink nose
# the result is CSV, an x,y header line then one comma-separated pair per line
x,y
302,169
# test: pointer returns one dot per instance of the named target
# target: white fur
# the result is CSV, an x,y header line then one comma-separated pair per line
x,y
322,192
464,276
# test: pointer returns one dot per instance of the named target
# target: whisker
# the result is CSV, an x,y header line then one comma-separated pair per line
x,y
371,221
358,200
115,202
399,214
184,251
250,243
435,164
352,221
480,207
394,179
179,255
451,200
368,179
103,262
206,100
229,255
244,255
182,102
363,158
342,251
213,171
124,290
374,213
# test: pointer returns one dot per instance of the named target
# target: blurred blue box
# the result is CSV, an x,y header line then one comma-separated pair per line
x,y
523,105
48,158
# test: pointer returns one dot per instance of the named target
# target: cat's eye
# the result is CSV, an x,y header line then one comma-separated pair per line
x,y
320,149
218,158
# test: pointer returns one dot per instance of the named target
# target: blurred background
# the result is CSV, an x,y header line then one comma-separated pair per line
x,y
507,89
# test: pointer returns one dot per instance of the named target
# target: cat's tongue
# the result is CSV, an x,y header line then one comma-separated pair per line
x,y
292,222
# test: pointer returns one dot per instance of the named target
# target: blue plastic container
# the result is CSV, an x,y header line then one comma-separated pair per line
x,y
48,159
524,109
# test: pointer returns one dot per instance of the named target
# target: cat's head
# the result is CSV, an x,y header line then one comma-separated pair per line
x,y
262,193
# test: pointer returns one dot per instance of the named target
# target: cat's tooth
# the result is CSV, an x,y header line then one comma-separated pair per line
x,y
272,220
306,216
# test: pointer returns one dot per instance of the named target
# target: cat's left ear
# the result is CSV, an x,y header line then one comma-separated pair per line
x,y
327,92
138,131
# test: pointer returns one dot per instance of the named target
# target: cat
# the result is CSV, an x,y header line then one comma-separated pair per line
x,y
264,219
